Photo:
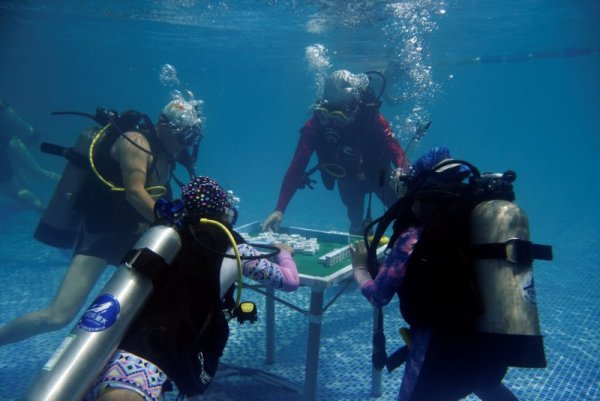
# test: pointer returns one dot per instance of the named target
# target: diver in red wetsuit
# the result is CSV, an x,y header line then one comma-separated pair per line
x,y
354,144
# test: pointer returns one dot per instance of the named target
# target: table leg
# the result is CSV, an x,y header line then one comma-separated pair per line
x,y
376,375
313,345
270,325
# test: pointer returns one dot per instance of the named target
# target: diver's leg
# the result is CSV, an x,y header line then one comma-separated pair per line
x,y
118,394
353,198
77,283
11,189
23,160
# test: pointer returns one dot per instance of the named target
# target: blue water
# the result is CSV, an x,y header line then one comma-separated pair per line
x,y
507,84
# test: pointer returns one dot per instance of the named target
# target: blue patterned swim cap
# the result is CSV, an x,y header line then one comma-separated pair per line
x,y
204,197
430,159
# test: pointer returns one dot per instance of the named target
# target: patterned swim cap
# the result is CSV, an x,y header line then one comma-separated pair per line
x,y
430,159
204,197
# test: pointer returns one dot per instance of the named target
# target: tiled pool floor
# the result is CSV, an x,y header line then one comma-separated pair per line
x,y
568,297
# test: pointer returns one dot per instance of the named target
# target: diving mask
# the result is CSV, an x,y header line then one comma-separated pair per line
x,y
186,135
335,116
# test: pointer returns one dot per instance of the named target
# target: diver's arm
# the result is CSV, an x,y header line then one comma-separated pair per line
x,y
282,275
19,128
23,159
289,271
134,165
391,143
296,169
380,291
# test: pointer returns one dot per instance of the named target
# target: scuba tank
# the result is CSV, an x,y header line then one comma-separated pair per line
x,y
509,327
80,358
499,310
60,224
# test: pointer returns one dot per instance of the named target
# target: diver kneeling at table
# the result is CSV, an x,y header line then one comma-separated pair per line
x,y
181,332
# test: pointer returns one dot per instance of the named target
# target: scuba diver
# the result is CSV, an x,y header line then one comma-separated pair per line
x,y
16,137
105,200
181,331
354,144
460,261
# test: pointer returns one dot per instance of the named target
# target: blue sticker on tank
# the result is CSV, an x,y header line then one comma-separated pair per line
x,y
101,314
528,288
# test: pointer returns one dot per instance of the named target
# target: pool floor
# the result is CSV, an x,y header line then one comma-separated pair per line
x,y
567,291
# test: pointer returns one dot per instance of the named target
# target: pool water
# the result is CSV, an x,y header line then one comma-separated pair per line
x,y
506,84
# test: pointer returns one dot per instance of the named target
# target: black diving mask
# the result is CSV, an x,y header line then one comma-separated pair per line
x,y
187,136
335,116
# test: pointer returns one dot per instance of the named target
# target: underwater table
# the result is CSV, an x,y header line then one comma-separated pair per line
x,y
323,261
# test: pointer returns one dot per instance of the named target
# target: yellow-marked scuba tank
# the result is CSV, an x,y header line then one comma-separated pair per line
x,y
60,223
509,328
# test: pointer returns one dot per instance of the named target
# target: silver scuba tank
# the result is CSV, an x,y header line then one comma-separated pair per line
x,y
60,224
80,358
510,326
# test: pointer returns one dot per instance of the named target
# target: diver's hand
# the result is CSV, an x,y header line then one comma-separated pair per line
x,y
284,247
358,254
273,221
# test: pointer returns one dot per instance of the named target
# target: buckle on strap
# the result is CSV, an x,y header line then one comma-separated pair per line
x,y
515,250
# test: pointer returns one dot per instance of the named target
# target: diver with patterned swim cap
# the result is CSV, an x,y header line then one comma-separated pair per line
x,y
107,200
181,331
354,144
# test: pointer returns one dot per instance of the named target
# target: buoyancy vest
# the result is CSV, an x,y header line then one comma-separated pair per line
x,y
440,288
182,328
355,152
106,210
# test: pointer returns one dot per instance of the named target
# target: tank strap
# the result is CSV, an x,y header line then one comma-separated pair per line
x,y
514,250
145,261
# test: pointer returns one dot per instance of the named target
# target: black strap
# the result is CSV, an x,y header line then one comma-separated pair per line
x,y
145,261
67,152
379,355
397,358
514,250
